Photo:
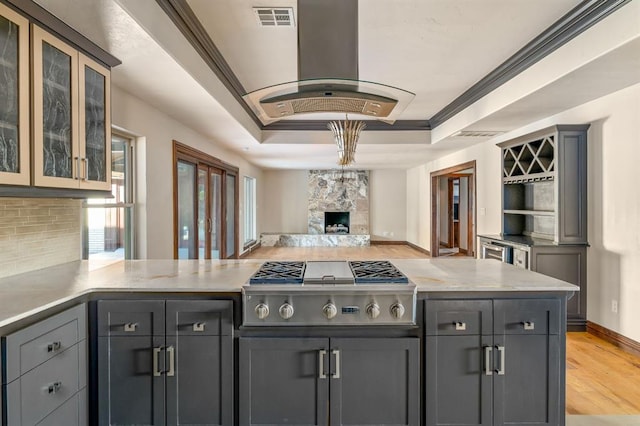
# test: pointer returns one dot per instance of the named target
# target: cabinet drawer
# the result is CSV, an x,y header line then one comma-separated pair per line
x,y
130,317
31,346
458,317
71,413
45,388
523,316
199,317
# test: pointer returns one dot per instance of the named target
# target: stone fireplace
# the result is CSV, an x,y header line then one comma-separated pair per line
x,y
336,222
334,191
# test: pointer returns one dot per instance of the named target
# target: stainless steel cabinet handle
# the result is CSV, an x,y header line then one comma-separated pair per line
x,y
529,325
156,361
54,346
321,354
460,326
130,327
78,168
501,351
172,361
53,387
198,326
336,375
487,361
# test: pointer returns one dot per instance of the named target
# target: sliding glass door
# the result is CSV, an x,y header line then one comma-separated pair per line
x,y
205,206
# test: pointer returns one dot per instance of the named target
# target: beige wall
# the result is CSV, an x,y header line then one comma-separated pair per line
x,y
37,233
154,174
614,202
286,203
286,206
388,204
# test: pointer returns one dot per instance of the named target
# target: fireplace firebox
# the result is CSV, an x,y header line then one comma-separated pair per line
x,y
336,222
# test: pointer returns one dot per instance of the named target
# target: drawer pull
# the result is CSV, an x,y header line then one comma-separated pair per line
x,y
130,327
529,325
54,346
460,326
198,326
53,387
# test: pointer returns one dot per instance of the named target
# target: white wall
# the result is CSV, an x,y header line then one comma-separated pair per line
x,y
613,202
154,174
487,157
286,201
388,204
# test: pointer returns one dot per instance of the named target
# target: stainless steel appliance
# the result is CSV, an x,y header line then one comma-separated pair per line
x,y
493,250
328,293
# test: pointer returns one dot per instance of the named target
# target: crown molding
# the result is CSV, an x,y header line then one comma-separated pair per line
x,y
372,125
572,24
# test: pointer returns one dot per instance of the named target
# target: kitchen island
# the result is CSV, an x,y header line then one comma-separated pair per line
x,y
482,326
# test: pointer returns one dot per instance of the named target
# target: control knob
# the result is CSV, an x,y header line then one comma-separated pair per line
x,y
286,310
373,310
397,310
262,310
329,310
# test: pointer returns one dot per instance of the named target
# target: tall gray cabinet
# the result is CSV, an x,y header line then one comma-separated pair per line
x,y
544,206
329,381
165,362
494,362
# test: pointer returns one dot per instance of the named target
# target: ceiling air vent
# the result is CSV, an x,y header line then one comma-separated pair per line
x,y
274,16
477,133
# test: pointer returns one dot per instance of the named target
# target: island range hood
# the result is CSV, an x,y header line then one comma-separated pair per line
x,y
328,70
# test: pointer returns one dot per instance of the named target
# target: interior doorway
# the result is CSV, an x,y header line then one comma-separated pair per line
x,y
453,211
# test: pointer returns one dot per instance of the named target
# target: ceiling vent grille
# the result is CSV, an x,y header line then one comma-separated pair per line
x,y
477,133
275,16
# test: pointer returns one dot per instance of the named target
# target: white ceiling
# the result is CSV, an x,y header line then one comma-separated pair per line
x,y
434,48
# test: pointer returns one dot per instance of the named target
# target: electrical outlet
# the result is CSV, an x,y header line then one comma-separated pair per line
x,y
614,306
482,211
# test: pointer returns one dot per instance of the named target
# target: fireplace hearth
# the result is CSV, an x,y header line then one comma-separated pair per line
x,y
336,222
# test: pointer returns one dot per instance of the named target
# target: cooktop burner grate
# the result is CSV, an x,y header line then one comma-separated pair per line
x,y
285,272
376,272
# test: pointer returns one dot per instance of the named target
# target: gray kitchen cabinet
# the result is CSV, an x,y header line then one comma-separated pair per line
x,y
493,362
337,381
45,371
545,185
165,362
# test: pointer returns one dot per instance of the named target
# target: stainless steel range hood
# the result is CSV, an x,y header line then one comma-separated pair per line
x,y
328,70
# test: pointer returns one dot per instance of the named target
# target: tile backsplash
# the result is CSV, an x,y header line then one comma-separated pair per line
x,y
36,233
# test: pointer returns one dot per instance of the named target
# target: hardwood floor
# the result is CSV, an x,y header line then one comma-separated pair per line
x,y
601,378
374,252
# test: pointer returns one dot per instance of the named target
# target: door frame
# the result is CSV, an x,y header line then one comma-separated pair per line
x,y
454,171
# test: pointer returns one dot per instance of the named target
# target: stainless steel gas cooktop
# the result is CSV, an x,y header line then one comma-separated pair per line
x,y
328,293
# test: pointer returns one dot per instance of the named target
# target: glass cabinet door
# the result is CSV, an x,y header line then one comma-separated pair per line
x,y
14,98
57,161
95,134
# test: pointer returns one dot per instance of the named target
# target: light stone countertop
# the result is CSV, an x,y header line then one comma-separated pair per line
x,y
28,294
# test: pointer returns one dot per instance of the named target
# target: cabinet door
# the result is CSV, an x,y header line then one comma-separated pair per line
x,y
527,358
459,380
375,381
14,95
283,381
199,351
131,387
56,159
94,120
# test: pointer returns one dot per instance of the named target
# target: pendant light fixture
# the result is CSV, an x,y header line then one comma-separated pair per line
x,y
346,134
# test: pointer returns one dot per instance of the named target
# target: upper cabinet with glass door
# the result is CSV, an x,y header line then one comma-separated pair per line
x,y
14,98
71,113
